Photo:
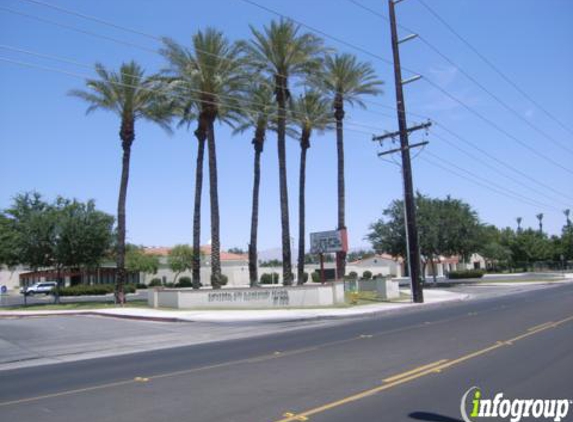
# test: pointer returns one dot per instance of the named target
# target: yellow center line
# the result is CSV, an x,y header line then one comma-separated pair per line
x,y
540,326
416,373
68,392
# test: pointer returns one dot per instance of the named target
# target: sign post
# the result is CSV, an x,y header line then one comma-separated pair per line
x,y
329,242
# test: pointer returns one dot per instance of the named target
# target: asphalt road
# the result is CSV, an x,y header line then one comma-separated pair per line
x,y
356,371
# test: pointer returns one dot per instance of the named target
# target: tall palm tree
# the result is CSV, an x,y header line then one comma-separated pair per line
x,y
346,80
282,51
260,115
540,218
567,212
131,95
310,111
519,220
188,109
212,74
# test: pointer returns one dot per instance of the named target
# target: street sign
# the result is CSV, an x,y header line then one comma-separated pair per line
x,y
328,242
3,289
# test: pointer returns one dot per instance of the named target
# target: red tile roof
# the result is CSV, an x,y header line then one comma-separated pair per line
x,y
381,256
205,249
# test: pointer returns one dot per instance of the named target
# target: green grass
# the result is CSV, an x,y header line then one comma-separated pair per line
x,y
77,306
368,298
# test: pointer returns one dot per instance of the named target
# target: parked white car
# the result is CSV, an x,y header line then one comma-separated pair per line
x,y
46,288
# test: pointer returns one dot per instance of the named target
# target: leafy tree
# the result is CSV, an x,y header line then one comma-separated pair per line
x,y
8,242
491,248
136,260
33,225
346,80
281,51
180,259
445,226
85,234
310,112
359,254
65,234
527,246
214,70
237,251
271,263
131,95
567,242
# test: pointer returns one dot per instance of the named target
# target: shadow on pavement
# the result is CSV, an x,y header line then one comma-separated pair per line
x,y
432,417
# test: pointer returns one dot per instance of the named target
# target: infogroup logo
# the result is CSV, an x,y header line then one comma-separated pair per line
x,y
512,409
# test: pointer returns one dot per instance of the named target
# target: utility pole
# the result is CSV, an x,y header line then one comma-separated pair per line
x,y
409,200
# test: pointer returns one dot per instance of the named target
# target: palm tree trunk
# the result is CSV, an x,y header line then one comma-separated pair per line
x,y
339,116
253,272
214,199
301,211
196,270
281,139
127,135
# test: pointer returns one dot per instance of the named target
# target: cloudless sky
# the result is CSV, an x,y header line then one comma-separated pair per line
x,y
49,145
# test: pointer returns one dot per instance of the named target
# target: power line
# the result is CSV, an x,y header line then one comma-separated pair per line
x,y
81,31
435,85
324,34
473,178
155,37
286,17
141,47
495,169
166,91
495,68
502,163
84,76
92,18
473,80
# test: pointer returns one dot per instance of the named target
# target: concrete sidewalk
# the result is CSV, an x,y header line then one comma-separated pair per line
x,y
432,296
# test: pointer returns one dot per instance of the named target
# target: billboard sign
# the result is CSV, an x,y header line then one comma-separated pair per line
x,y
328,242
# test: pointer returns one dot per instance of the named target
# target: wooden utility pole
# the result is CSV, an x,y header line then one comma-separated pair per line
x,y
409,200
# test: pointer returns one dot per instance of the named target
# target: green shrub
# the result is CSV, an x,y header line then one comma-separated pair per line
x,y
141,286
129,288
267,278
155,282
378,276
315,277
352,275
169,285
304,277
367,275
184,282
455,275
224,280
86,290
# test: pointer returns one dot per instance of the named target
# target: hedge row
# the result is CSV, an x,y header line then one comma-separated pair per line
x,y
94,290
455,275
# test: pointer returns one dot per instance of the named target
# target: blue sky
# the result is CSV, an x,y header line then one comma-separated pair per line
x,y
49,145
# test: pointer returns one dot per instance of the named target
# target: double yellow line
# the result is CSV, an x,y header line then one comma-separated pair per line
x,y
418,372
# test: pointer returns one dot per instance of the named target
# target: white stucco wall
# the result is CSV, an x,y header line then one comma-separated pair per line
x,y
270,297
11,278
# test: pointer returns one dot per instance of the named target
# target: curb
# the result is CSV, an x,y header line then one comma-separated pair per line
x,y
91,313
261,321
